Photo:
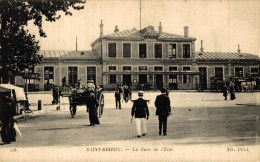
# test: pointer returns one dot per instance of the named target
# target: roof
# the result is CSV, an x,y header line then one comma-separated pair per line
x,y
69,54
224,56
137,34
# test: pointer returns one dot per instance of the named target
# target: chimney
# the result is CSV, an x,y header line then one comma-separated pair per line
x,y
186,31
201,48
160,28
101,29
238,50
116,29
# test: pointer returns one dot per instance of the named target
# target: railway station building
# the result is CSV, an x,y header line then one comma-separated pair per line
x,y
144,59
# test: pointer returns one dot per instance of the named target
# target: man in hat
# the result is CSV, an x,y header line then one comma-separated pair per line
x,y
163,110
92,107
8,133
141,112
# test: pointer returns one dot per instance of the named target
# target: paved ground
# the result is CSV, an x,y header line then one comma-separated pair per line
x,y
203,127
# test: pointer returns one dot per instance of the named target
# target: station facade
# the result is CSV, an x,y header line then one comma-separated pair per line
x,y
144,59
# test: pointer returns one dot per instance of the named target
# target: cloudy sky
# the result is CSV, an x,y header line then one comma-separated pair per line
x,y
222,24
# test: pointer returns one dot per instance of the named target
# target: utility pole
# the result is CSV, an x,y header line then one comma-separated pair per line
x,y
140,14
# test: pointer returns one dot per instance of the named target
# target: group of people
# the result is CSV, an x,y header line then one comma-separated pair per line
x,y
231,90
124,91
141,112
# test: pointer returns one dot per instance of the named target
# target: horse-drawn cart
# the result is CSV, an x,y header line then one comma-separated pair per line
x,y
78,96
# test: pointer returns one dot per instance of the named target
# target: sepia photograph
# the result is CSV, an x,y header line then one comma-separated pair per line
x,y
129,80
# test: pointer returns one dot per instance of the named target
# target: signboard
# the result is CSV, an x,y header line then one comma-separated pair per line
x,y
32,76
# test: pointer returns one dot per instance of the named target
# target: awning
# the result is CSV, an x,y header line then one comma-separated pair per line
x,y
19,92
153,72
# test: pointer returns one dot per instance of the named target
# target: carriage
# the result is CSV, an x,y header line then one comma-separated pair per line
x,y
216,84
77,96
18,95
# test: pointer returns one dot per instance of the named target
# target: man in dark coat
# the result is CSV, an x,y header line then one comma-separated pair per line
x,y
8,133
118,99
92,108
232,91
163,110
225,91
141,112
63,81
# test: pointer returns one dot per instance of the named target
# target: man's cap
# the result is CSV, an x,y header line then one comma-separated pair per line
x,y
163,90
140,93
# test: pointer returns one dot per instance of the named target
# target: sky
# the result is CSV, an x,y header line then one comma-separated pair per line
x,y
221,24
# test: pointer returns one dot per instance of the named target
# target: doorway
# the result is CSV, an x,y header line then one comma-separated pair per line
x,y
159,81
127,80
203,78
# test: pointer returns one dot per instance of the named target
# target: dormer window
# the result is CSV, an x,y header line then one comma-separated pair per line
x,y
142,50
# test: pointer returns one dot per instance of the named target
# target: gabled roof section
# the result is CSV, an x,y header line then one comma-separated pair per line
x,y
224,56
140,34
69,54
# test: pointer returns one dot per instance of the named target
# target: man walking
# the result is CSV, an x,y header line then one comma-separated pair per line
x,y
141,112
118,99
163,110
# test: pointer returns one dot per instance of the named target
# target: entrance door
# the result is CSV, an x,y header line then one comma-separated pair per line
x,y
142,81
159,81
127,79
73,76
173,81
203,78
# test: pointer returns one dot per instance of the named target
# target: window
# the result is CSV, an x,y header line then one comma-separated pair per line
x,y
186,51
239,72
158,50
172,78
110,68
48,73
186,78
219,72
142,50
126,50
48,77
91,73
158,68
142,68
112,79
112,50
172,51
254,72
173,68
186,68
126,68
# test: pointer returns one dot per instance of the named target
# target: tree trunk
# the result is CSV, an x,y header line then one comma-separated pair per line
x,y
4,55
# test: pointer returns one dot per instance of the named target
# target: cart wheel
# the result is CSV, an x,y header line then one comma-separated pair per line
x,y
101,105
73,110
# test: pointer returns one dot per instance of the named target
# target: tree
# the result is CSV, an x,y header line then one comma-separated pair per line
x,y
19,49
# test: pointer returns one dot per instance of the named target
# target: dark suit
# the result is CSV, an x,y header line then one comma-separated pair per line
x,y
8,133
163,109
118,99
92,108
